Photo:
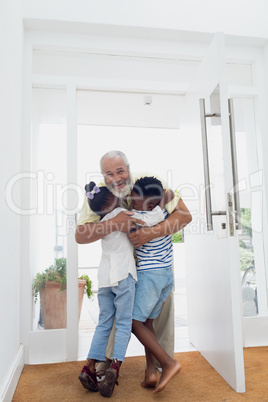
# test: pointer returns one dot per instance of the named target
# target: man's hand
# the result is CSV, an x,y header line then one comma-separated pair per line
x,y
141,236
167,197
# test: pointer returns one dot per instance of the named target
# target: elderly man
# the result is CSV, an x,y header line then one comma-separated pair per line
x,y
119,180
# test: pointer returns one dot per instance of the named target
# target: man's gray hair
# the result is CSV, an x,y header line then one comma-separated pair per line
x,y
115,154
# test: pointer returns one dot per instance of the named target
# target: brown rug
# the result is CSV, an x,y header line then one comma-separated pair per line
x,y
197,381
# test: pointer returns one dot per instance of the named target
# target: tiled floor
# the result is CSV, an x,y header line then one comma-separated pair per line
x,y
89,316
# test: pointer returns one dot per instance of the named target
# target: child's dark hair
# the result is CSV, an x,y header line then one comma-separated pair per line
x,y
148,187
97,197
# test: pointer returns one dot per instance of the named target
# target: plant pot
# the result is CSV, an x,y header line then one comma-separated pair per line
x,y
54,304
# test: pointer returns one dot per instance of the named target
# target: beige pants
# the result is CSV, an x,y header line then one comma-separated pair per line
x,y
163,326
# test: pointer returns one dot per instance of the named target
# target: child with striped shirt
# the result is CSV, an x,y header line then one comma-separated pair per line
x,y
155,282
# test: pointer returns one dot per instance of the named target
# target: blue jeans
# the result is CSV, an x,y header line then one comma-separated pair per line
x,y
115,301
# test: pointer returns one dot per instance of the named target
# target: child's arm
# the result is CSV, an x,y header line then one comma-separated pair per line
x,y
91,232
167,197
150,218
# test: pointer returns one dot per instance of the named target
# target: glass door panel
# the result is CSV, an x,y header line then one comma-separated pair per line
x,y
250,182
49,223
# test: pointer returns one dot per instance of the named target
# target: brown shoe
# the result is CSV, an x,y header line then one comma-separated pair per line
x,y
106,388
88,379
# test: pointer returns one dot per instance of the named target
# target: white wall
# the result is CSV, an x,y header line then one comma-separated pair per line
x,y
11,45
239,17
263,105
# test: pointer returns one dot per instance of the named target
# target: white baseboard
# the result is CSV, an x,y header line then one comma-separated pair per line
x,y
11,380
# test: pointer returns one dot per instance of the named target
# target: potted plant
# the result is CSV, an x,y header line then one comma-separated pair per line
x,y
51,285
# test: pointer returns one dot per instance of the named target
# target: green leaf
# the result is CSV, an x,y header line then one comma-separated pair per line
x,y
57,272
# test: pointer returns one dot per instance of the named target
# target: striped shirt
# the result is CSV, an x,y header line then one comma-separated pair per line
x,y
156,254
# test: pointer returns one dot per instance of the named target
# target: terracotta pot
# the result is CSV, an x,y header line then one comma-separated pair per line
x,y
54,304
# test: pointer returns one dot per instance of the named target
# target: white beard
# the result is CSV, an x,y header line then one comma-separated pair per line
x,y
121,194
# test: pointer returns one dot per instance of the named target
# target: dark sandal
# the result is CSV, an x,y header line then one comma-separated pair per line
x,y
88,379
106,388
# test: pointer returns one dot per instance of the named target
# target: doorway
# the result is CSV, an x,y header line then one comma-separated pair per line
x,y
147,130
148,150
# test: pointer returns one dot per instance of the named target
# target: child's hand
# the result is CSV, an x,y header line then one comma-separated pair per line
x,y
124,222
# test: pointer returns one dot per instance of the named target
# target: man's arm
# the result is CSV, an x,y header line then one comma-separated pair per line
x,y
176,221
90,232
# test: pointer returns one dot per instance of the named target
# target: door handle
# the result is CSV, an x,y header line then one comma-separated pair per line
x,y
237,210
209,212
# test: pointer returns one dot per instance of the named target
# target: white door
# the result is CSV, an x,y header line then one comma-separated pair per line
x,y
212,256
